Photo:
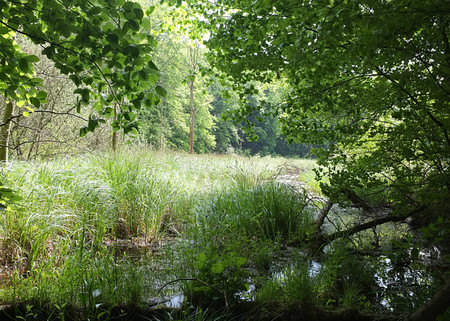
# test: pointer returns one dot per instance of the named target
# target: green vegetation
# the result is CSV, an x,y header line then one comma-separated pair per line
x,y
83,235
125,224
112,235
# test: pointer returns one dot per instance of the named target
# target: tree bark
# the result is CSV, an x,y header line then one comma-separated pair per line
x,y
324,213
114,133
193,68
437,305
5,132
321,240
192,118
161,126
362,227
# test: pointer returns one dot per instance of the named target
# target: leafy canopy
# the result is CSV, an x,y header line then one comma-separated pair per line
x,y
101,45
369,78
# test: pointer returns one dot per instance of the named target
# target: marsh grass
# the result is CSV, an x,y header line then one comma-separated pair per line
x,y
241,226
99,232
294,284
60,238
266,210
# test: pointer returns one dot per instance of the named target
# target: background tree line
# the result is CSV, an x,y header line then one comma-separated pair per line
x,y
192,102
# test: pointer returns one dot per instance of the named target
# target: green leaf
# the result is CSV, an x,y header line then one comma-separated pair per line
x,y
133,51
35,102
85,95
76,79
112,38
95,11
161,91
145,24
42,95
83,131
138,13
217,268
201,260
32,58
150,10
24,66
92,124
108,112
152,66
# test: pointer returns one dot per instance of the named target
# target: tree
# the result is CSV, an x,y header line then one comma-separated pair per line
x,y
225,132
98,44
53,129
369,78
185,107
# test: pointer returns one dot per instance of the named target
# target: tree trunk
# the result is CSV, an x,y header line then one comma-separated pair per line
x,y
362,227
114,134
324,213
192,119
5,132
437,305
161,125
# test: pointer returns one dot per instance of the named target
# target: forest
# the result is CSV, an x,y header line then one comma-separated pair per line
x,y
225,160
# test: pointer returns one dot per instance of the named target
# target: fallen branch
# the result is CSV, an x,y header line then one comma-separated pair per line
x,y
437,305
324,213
359,228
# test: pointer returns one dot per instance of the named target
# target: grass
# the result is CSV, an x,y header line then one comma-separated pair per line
x,y
63,235
267,210
97,233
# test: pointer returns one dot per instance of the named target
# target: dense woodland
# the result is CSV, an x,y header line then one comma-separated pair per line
x,y
112,203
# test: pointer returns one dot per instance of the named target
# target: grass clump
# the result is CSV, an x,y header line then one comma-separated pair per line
x,y
292,285
268,210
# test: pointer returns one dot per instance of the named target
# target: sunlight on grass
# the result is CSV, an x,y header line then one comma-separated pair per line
x,y
81,220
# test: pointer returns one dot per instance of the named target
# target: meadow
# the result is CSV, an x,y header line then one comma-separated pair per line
x,y
170,236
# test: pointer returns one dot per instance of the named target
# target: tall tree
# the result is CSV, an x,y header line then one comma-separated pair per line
x,y
371,77
87,40
193,61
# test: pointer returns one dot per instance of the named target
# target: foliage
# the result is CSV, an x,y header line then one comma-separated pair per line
x,y
167,126
369,77
96,234
53,129
241,226
75,230
97,44
220,277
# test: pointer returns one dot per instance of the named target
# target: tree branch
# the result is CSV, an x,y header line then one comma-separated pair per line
x,y
324,213
359,228
432,117
64,48
438,304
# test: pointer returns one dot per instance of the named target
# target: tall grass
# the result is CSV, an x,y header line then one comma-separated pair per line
x,y
266,210
61,239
